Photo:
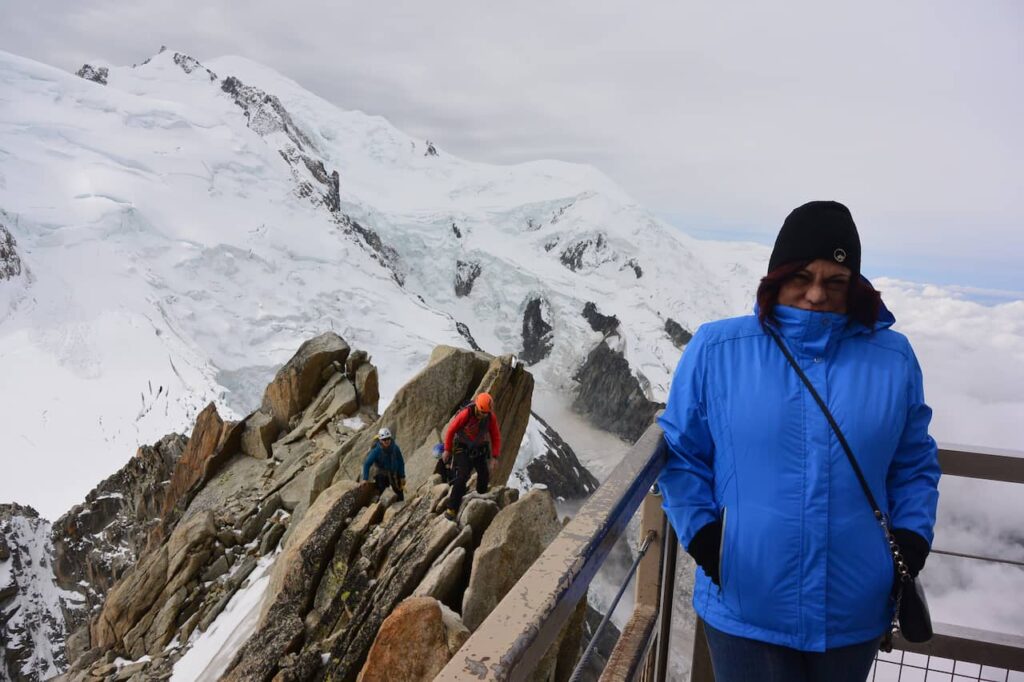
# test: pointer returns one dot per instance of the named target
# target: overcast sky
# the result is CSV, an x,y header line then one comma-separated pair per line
x,y
720,118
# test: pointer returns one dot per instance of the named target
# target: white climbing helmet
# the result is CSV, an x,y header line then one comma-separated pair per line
x,y
384,434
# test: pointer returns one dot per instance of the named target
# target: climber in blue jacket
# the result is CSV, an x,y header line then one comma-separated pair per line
x,y
389,465
795,574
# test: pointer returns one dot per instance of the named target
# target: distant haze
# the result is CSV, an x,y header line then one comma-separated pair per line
x,y
721,119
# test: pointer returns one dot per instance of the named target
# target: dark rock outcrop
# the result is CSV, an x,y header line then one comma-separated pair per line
x,y
190,65
559,469
264,112
381,252
637,270
464,332
605,324
611,396
586,253
537,333
466,273
431,149
96,74
10,262
679,334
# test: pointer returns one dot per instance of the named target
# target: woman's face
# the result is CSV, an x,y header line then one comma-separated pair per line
x,y
822,286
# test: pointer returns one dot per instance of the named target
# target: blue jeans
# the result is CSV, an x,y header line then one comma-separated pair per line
x,y
737,659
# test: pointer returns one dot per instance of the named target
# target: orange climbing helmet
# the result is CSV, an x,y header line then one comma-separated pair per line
x,y
484,402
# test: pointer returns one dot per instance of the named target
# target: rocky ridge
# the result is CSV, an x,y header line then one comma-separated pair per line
x,y
287,529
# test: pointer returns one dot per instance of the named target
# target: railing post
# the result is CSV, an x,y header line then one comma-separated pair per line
x,y
670,550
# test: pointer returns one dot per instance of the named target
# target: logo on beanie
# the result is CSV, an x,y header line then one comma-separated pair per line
x,y
839,255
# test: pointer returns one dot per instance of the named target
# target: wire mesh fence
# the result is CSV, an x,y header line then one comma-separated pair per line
x,y
907,666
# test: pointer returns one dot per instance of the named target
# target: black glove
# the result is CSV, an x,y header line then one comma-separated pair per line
x,y
914,549
705,548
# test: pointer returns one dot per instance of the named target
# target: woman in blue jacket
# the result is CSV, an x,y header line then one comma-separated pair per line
x,y
796,575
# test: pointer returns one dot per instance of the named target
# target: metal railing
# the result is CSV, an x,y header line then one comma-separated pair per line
x,y
511,642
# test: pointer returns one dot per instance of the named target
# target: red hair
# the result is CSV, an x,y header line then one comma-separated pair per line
x,y
863,301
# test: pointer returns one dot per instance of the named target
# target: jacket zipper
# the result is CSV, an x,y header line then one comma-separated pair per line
x,y
721,551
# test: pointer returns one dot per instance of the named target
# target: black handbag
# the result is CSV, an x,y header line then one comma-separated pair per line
x,y
911,618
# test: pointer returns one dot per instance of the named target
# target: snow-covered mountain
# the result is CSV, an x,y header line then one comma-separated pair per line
x,y
32,606
183,226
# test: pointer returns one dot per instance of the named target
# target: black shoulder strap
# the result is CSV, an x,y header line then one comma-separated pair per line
x,y
831,421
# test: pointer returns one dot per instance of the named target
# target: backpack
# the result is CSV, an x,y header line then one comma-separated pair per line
x,y
484,423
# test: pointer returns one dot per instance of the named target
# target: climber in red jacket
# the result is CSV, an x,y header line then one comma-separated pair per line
x,y
474,441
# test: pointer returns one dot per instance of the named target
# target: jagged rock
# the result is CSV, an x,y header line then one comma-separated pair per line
x,y
273,536
605,324
137,594
96,74
190,65
611,396
414,643
322,476
299,380
294,578
10,262
442,578
253,523
558,468
258,435
264,112
514,540
586,253
478,514
197,464
216,569
679,335
355,359
408,558
431,149
368,386
381,252
97,541
537,333
466,273
337,397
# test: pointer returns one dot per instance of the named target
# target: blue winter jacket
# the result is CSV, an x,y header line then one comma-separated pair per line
x,y
803,562
388,459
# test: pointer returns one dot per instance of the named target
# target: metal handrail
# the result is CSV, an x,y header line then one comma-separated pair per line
x,y
510,643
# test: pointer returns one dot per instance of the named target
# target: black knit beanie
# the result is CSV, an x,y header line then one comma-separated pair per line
x,y
818,229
